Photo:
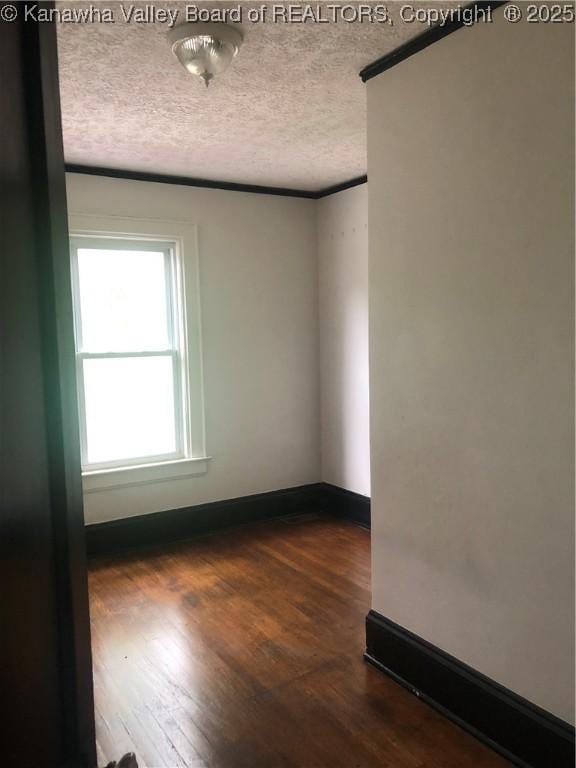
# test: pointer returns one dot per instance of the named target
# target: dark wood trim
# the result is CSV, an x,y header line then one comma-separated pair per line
x,y
346,504
341,187
49,189
178,524
514,727
47,670
228,186
422,41
187,181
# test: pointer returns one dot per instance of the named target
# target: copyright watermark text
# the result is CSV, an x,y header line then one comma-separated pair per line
x,y
287,13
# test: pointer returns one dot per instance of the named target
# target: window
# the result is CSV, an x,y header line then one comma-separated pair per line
x,y
133,370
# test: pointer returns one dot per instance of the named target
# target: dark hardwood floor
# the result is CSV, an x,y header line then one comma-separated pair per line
x,y
243,649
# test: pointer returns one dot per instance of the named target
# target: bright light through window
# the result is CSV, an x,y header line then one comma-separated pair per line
x,y
129,362
123,300
129,405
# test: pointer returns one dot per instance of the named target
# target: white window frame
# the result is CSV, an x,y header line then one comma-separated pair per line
x,y
178,241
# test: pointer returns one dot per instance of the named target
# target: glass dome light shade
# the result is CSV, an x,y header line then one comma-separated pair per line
x,y
205,49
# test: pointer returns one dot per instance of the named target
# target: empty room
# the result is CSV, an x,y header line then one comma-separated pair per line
x,y
287,384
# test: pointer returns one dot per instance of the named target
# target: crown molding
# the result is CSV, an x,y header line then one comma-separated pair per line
x,y
228,186
341,187
425,39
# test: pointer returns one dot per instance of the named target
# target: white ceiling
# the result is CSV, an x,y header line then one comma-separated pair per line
x,y
290,111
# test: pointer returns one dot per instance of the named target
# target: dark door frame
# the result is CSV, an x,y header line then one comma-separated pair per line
x,y
46,659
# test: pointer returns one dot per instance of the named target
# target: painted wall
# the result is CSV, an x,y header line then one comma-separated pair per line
x,y
471,162
343,310
258,276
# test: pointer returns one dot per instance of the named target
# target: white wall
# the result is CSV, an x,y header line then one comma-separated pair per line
x,y
258,276
343,309
471,162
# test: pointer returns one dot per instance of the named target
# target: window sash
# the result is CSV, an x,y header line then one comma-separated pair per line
x,y
175,332
106,243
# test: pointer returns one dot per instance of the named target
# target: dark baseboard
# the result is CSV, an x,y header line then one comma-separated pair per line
x,y
345,504
162,527
518,730
176,524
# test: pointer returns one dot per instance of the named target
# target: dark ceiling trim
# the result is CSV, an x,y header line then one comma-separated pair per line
x,y
425,39
186,181
228,186
341,187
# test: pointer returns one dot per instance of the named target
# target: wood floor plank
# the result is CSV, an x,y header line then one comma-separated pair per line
x,y
243,649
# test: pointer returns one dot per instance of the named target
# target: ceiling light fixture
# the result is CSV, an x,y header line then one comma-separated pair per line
x,y
205,49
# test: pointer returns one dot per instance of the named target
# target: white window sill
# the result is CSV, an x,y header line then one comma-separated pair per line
x,y
143,474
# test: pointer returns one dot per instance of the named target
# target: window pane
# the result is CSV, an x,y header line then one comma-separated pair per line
x,y
122,300
129,408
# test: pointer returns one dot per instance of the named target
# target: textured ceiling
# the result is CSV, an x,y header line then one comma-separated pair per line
x,y
289,112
